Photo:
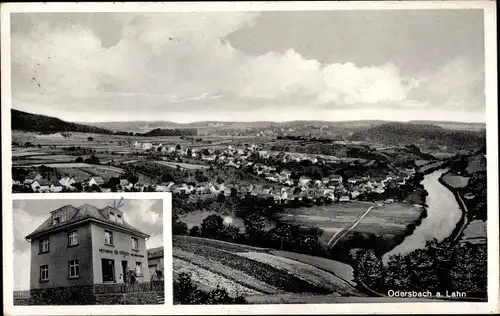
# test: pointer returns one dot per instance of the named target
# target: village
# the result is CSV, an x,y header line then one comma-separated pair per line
x,y
278,182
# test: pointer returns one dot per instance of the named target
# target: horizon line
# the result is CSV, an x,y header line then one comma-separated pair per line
x,y
256,121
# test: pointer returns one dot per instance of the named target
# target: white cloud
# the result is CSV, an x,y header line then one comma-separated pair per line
x,y
181,61
141,212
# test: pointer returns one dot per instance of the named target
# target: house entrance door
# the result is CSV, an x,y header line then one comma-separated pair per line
x,y
124,271
108,270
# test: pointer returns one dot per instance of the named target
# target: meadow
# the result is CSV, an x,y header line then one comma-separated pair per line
x,y
258,271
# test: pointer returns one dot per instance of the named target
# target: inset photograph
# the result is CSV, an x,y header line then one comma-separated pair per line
x,y
88,251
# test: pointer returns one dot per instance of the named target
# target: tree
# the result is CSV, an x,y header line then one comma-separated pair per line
x,y
185,292
79,160
254,226
212,226
90,139
178,227
232,233
194,231
93,159
178,147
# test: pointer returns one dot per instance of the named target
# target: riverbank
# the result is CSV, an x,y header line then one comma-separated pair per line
x,y
442,212
464,219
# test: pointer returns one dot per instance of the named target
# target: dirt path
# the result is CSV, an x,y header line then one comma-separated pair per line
x,y
351,228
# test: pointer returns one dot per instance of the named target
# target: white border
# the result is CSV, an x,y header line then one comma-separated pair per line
x,y
492,162
8,267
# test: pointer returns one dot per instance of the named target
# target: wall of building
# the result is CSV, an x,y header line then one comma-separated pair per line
x,y
120,251
58,257
156,264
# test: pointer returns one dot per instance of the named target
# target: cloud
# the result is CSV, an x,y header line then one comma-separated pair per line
x,y
159,64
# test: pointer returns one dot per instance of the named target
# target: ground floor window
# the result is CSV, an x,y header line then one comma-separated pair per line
x,y
138,269
108,270
44,272
74,271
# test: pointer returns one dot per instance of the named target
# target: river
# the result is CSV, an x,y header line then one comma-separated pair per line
x,y
443,213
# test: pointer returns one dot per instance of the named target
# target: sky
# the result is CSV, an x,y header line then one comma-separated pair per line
x,y
246,66
145,215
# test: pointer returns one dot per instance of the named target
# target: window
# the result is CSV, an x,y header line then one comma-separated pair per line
x,y
44,272
112,217
135,244
119,218
138,269
74,271
108,237
108,270
44,245
72,238
56,221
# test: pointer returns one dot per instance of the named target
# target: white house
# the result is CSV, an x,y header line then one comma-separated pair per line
x,y
304,180
147,146
97,180
67,181
55,188
40,185
344,198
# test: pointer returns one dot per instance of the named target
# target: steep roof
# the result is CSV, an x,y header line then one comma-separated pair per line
x,y
84,212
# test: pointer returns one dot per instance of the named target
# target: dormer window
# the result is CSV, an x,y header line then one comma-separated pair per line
x,y
119,218
112,216
56,220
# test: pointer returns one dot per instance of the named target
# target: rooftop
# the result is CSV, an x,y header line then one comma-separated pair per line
x,y
79,214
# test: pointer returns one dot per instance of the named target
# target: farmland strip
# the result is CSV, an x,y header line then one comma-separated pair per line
x,y
209,278
305,272
275,277
229,273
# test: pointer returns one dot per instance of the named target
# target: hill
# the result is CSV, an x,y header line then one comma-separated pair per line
x,y
23,121
399,134
171,132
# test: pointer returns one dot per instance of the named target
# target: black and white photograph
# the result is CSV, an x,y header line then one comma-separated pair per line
x,y
88,251
315,153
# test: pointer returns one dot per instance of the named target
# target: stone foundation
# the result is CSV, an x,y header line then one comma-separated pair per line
x,y
70,295
127,298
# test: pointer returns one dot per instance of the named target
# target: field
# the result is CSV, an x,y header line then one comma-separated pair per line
x,y
183,166
475,232
384,219
257,269
455,181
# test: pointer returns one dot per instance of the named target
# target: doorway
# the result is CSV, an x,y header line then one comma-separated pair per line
x,y
108,270
124,271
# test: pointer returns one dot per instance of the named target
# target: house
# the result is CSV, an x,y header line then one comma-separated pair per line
x,y
161,188
344,198
355,194
32,176
55,188
389,201
137,144
208,158
286,173
304,181
41,185
351,181
263,154
147,146
96,180
78,247
336,178
67,181
156,263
